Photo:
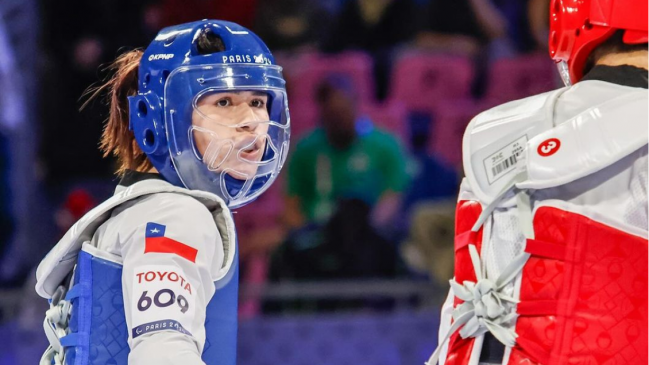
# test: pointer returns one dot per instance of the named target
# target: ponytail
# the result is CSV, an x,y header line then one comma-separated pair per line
x,y
116,138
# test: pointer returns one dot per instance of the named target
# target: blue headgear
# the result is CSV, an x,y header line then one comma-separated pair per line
x,y
174,76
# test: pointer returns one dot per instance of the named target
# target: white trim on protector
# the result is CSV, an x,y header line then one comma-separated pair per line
x,y
445,319
466,193
507,355
232,244
476,350
591,214
517,295
105,255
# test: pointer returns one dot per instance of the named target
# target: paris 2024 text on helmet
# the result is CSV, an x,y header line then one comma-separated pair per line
x,y
578,26
215,121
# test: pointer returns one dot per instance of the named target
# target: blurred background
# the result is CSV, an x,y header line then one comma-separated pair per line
x,y
346,260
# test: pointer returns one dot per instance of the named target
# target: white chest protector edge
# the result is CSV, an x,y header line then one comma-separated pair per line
x,y
60,261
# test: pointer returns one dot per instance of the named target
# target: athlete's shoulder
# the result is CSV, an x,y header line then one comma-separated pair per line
x,y
173,205
517,109
496,138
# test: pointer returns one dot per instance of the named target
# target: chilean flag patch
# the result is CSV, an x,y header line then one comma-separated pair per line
x,y
155,241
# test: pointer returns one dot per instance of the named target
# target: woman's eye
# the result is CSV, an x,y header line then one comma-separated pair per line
x,y
257,103
224,102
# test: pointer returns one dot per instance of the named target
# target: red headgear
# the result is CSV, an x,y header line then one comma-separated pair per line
x,y
578,26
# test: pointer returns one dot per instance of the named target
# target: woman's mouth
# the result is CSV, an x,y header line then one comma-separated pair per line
x,y
251,152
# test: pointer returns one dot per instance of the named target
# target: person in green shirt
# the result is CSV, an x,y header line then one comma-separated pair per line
x,y
345,158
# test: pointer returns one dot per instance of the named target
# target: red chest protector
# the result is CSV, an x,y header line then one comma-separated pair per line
x,y
583,297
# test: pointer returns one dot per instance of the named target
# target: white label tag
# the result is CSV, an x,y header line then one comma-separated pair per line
x,y
504,160
163,299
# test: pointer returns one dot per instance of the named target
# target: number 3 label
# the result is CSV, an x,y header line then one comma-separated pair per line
x,y
549,147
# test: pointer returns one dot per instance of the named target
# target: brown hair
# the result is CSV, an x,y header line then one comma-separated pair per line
x,y
613,44
116,138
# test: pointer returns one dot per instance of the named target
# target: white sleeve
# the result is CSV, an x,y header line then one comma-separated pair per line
x,y
445,325
170,259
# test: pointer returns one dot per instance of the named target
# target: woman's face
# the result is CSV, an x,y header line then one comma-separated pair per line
x,y
230,131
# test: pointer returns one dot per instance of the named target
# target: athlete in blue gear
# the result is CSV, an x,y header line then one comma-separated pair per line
x,y
200,124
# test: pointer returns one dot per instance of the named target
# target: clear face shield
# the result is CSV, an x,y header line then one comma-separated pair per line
x,y
228,128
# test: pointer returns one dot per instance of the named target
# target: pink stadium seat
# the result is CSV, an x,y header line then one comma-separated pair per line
x,y
304,117
311,69
391,117
519,77
421,80
451,119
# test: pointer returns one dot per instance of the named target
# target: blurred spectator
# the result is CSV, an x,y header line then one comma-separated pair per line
x,y
460,26
432,180
429,250
428,208
372,25
346,246
502,28
340,161
516,14
538,15
345,179
291,25
241,12
376,26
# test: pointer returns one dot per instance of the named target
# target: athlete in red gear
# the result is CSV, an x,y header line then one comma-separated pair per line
x,y
551,228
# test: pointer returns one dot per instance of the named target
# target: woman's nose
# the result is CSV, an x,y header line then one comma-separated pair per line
x,y
249,126
249,120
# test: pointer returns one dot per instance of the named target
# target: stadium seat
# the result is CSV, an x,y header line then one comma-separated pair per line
x,y
305,74
421,80
451,118
515,78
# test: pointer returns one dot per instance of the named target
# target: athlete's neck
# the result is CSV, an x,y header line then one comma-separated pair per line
x,y
152,170
636,58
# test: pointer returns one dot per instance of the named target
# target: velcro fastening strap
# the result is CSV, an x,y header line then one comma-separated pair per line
x,y
548,250
74,340
464,239
70,340
78,290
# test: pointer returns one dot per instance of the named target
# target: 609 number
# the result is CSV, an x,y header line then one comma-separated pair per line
x,y
162,301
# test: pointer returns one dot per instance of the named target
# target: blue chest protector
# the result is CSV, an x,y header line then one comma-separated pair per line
x,y
96,329
98,325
